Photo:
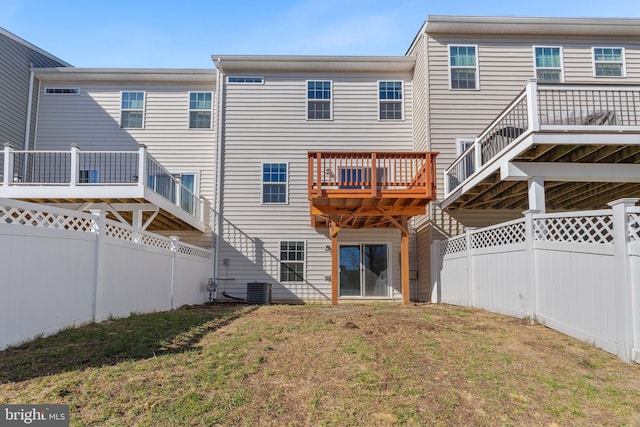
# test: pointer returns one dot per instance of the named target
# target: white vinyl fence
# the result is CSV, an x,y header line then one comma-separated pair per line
x,y
61,268
576,272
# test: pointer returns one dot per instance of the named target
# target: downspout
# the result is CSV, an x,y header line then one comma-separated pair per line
x,y
27,130
219,175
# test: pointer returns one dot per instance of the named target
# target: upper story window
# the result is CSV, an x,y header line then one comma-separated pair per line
x,y
548,64
200,110
463,67
318,100
292,261
132,110
390,99
245,80
274,183
62,91
608,62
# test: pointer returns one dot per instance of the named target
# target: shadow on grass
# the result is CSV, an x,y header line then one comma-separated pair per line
x,y
139,336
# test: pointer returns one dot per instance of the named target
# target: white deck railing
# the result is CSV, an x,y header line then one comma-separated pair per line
x,y
548,107
96,168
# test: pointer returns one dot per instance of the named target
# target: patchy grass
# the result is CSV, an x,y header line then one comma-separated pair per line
x,y
375,364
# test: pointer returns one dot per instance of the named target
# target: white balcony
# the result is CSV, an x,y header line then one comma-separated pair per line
x,y
123,181
581,142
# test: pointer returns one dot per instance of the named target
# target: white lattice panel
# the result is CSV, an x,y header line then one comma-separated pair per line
x,y
194,251
453,246
34,218
578,229
155,241
120,233
511,234
634,228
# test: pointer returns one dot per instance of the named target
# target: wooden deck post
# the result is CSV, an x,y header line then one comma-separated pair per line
x,y
335,267
404,262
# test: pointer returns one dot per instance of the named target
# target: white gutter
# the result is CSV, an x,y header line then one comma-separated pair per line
x,y
219,163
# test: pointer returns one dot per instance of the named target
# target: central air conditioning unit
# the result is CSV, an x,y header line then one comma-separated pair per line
x,y
258,293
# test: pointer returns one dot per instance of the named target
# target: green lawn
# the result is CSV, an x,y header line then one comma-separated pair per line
x,y
377,364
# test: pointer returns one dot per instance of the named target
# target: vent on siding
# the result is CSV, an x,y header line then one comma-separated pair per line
x,y
62,91
257,293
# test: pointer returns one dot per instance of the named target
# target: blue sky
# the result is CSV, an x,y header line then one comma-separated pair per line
x,y
171,34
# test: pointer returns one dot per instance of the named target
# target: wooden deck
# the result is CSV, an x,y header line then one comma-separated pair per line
x,y
369,190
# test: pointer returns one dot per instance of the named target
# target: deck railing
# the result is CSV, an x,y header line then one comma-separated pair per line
x,y
96,168
371,171
549,107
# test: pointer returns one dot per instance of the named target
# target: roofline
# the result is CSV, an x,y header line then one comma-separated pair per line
x,y
532,25
33,47
416,37
126,74
159,71
281,61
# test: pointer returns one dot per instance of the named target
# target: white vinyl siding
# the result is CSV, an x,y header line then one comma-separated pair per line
x,y
608,62
200,110
548,64
319,100
463,67
390,100
132,110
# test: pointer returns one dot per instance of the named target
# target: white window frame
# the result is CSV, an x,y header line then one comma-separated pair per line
x,y
303,262
450,68
262,183
229,78
330,100
73,91
197,110
144,107
535,66
624,62
393,101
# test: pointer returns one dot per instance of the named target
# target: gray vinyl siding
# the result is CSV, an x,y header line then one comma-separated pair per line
x,y
16,59
92,120
267,123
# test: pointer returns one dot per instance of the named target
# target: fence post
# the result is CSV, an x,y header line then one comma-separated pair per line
x,y
622,277
530,288
8,164
98,281
470,273
175,242
436,268
74,172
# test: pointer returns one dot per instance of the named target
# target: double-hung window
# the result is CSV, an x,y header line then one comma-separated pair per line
x,y
608,62
390,99
548,62
292,261
463,67
132,110
318,100
200,110
274,183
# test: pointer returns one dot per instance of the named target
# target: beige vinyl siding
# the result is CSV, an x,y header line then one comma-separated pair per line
x,y
16,59
92,120
505,66
267,123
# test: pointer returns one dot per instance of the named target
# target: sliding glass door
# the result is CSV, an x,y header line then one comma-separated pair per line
x,y
364,270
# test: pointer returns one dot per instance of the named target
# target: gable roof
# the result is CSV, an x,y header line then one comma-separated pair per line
x,y
33,47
